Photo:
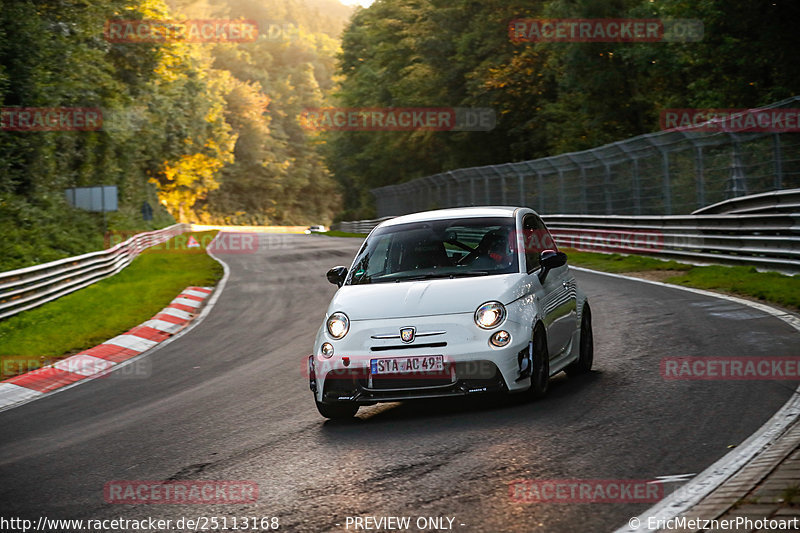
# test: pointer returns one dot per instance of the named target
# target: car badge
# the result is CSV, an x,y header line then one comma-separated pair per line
x,y
407,334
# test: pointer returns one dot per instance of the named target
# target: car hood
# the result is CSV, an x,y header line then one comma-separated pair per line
x,y
427,297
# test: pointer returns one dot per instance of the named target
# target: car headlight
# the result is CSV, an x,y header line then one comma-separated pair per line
x,y
490,314
338,325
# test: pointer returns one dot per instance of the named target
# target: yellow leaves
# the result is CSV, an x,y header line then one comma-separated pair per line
x,y
153,9
186,181
192,169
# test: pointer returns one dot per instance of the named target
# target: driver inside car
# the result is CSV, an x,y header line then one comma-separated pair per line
x,y
495,252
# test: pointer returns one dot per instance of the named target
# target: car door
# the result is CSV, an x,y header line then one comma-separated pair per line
x,y
558,298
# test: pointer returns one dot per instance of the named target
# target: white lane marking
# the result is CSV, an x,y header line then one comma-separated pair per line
x,y
187,301
8,389
12,395
83,364
676,478
178,313
132,342
712,477
163,325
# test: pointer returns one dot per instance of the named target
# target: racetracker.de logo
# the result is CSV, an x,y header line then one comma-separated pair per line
x,y
81,364
730,368
13,365
180,492
186,31
733,120
585,491
534,30
610,241
398,119
234,243
50,119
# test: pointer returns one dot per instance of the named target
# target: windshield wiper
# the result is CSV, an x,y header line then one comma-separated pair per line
x,y
439,275
470,273
423,276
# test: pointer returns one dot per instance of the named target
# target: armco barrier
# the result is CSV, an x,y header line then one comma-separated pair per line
x,y
767,241
358,226
784,201
30,287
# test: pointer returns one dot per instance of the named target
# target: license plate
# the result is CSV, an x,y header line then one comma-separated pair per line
x,y
405,365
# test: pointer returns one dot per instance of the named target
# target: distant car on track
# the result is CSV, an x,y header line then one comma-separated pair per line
x,y
314,229
451,302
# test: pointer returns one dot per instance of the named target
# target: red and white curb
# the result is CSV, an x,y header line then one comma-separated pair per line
x,y
100,360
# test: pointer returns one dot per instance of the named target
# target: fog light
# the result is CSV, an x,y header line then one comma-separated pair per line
x,y
500,338
327,349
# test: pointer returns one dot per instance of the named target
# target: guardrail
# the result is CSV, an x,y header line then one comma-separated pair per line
x,y
358,226
784,201
30,287
767,241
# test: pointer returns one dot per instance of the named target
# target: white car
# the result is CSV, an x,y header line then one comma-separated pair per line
x,y
451,302
314,229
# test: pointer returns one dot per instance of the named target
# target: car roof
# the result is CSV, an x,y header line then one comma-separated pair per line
x,y
459,212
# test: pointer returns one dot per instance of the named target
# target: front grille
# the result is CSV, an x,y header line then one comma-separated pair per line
x,y
409,381
407,346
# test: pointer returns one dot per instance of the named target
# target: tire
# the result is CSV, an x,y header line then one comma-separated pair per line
x,y
338,410
540,366
586,349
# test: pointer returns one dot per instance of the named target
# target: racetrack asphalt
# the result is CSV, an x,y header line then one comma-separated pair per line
x,y
230,401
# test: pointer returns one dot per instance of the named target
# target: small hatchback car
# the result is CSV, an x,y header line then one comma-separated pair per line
x,y
450,303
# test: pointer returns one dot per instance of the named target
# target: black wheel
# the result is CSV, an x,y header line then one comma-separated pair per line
x,y
586,348
540,366
338,410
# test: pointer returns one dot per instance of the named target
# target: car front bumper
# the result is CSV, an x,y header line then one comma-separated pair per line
x,y
472,365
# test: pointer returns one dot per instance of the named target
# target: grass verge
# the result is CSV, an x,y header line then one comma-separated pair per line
x,y
112,306
334,233
743,281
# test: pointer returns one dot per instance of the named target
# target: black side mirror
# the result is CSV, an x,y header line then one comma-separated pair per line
x,y
550,259
337,275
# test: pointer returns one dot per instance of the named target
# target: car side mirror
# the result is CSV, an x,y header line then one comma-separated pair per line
x,y
550,259
337,275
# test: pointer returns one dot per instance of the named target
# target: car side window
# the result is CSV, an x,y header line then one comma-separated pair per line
x,y
536,239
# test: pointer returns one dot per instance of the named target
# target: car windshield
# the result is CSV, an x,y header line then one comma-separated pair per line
x,y
436,249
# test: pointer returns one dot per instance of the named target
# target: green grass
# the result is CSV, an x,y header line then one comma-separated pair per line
x,y
745,281
740,280
112,306
334,233
621,263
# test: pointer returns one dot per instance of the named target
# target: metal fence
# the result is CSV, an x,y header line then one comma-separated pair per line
x,y
665,173
30,287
